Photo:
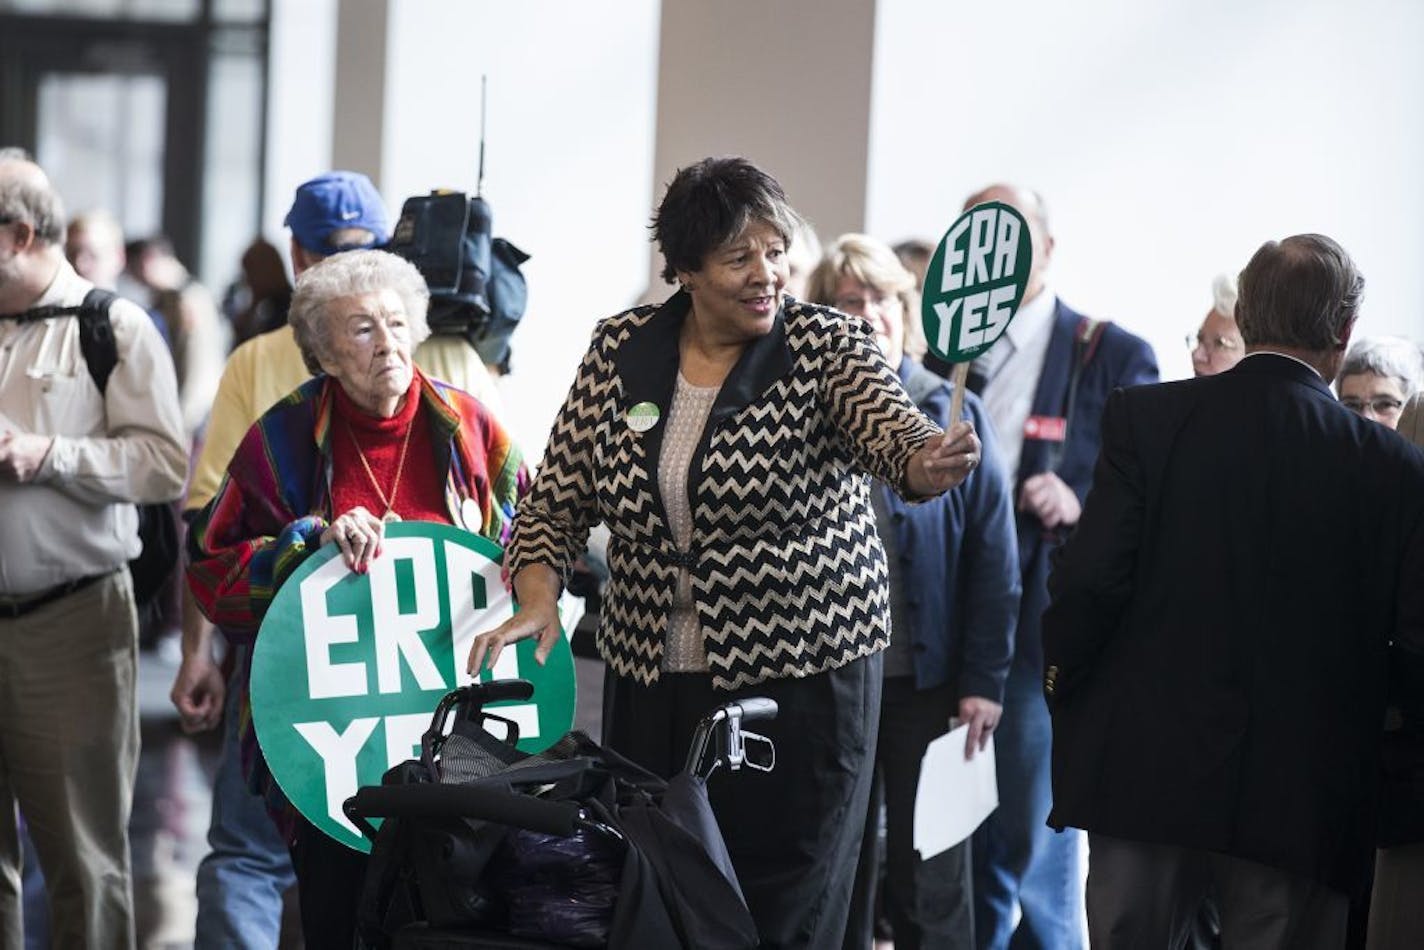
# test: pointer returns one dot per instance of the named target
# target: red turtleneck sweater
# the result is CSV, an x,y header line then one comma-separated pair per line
x,y
421,493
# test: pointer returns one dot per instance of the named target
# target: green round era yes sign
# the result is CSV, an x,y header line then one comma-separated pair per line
x,y
976,281
348,668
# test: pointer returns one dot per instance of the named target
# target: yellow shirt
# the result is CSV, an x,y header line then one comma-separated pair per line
x,y
267,367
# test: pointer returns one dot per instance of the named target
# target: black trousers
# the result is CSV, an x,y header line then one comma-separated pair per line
x,y
929,903
329,879
793,833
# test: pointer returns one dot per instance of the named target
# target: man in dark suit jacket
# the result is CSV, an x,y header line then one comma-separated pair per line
x,y
1044,386
1216,646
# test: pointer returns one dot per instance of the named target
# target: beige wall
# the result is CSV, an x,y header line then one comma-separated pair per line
x,y
785,83
358,136
1170,139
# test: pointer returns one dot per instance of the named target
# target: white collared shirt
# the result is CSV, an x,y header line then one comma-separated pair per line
x,y
1011,370
76,518
1279,353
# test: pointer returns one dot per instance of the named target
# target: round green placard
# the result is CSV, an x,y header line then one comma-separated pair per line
x,y
348,668
976,281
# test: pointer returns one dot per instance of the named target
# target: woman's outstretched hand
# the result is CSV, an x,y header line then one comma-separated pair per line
x,y
537,589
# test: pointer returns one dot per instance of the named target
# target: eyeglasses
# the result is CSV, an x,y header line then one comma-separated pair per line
x,y
1384,406
855,303
1212,343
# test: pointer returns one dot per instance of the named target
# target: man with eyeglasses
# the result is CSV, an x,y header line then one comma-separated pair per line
x,y
1244,578
1217,346
1379,376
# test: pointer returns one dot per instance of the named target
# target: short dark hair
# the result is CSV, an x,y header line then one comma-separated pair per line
x,y
710,203
1300,292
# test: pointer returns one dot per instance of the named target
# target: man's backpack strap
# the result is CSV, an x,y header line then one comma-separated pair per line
x,y
96,332
96,336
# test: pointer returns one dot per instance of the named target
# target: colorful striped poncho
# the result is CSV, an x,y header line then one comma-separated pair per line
x,y
275,502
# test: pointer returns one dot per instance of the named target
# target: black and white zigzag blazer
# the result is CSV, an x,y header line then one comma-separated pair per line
x,y
788,575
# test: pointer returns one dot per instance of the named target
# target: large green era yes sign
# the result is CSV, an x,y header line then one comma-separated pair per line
x,y
976,281
348,668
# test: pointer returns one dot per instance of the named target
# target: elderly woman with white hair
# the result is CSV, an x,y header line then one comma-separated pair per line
x,y
1218,346
369,440
1379,376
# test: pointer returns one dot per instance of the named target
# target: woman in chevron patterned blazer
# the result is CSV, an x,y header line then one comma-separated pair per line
x,y
726,438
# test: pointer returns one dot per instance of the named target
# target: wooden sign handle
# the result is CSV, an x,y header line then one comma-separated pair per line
x,y
956,400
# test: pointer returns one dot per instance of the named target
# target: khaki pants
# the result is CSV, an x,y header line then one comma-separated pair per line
x,y
1144,896
1397,908
68,758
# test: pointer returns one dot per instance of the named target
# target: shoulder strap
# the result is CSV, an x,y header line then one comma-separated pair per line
x,y
1086,337
96,332
96,336
40,313
1085,346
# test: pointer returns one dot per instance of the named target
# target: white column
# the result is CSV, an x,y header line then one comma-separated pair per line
x,y
358,124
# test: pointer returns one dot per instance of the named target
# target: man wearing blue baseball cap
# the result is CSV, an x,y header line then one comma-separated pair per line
x,y
242,879
338,211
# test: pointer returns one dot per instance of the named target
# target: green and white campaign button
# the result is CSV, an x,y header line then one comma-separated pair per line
x,y
976,281
348,668
642,416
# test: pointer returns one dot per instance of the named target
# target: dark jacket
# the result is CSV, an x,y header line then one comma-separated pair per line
x,y
1402,795
1217,641
960,561
1118,359
788,575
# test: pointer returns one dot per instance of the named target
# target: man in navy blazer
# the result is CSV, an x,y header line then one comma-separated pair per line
x,y
1217,645
1044,386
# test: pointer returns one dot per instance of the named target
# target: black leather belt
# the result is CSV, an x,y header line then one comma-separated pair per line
x,y
13,609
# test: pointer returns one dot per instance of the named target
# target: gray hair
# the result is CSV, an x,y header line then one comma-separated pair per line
x,y
345,274
1223,295
27,196
1301,292
1389,356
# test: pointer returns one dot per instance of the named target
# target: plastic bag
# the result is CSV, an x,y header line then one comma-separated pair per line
x,y
558,889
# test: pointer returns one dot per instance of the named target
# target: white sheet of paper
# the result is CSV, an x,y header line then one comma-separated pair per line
x,y
954,796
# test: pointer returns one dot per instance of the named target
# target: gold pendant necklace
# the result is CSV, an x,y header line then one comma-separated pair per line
x,y
390,503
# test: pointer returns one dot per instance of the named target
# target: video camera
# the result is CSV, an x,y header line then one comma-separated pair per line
x,y
476,288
